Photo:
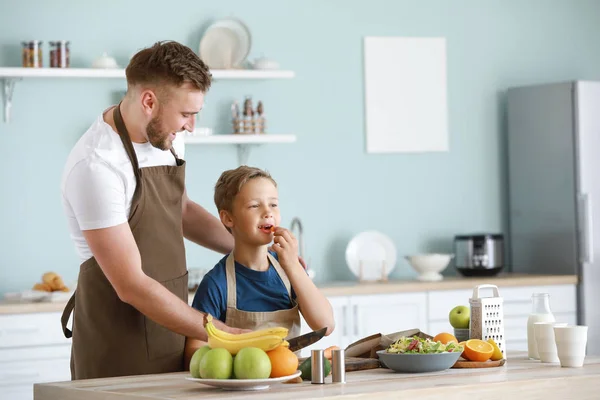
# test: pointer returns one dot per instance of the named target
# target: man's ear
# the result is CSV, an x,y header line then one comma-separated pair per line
x,y
149,101
226,218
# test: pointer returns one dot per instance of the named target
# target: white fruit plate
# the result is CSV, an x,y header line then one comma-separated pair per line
x,y
244,384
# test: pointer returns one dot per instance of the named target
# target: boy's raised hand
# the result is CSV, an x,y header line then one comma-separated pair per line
x,y
286,247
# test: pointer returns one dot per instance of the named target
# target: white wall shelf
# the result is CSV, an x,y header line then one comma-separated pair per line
x,y
10,76
243,142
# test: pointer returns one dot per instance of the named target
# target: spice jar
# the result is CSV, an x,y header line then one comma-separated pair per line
x,y
59,54
32,54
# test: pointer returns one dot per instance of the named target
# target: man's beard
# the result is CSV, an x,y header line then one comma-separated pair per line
x,y
155,136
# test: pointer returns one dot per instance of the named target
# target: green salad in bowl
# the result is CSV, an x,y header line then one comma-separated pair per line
x,y
417,345
415,354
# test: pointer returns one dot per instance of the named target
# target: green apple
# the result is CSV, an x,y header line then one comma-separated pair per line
x,y
216,364
195,361
459,317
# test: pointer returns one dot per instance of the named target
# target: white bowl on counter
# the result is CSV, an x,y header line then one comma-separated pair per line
x,y
429,266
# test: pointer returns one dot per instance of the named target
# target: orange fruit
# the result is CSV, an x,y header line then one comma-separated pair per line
x,y
283,362
477,350
445,338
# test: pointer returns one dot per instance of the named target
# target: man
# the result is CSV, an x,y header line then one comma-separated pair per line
x,y
124,196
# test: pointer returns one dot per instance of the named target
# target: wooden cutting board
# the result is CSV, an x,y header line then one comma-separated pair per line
x,y
462,363
357,364
361,364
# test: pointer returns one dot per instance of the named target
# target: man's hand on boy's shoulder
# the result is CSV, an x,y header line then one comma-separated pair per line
x,y
286,247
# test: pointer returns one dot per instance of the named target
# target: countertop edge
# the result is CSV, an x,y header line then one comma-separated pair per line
x,y
365,288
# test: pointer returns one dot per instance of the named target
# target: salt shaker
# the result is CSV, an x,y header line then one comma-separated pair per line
x,y
338,366
316,366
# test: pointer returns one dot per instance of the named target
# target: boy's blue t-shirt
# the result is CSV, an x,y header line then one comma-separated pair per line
x,y
256,291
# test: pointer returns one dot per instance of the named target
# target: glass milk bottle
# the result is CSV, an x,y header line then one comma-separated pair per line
x,y
540,312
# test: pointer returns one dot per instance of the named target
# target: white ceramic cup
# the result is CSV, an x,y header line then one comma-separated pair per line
x,y
544,338
571,342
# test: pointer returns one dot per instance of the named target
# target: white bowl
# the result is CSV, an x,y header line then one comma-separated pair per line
x,y
429,266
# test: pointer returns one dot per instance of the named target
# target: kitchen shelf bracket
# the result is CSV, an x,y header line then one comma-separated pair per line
x,y
243,152
8,86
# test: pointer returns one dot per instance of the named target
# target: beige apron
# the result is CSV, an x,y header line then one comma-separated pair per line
x,y
110,337
263,319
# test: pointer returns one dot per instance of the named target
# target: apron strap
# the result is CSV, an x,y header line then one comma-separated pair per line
x,y
178,161
64,319
124,134
231,283
281,274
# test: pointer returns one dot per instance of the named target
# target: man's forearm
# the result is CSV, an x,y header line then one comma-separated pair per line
x,y
160,305
202,228
163,307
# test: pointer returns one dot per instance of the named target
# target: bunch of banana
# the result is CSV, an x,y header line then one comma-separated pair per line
x,y
265,339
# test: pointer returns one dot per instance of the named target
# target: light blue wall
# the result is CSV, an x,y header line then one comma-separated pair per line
x,y
326,178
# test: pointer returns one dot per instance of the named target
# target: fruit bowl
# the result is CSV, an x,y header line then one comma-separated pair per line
x,y
417,363
244,384
429,266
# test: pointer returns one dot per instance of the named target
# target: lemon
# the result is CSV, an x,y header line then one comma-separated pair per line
x,y
497,355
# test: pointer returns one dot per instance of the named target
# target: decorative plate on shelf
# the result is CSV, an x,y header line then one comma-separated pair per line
x,y
371,256
225,44
244,384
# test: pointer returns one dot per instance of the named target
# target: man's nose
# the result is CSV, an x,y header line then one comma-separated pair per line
x,y
191,124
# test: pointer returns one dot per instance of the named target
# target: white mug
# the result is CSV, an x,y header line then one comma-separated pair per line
x,y
571,343
544,337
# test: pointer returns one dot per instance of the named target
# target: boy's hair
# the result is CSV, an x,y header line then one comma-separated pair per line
x,y
168,63
231,181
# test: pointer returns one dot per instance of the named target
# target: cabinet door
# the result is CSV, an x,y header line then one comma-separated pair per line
x,y
387,313
517,306
339,336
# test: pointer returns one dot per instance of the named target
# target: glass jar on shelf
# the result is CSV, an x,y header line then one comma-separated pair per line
x,y
32,54
60,54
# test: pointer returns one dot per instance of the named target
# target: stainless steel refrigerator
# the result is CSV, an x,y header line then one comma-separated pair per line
x,y
554,188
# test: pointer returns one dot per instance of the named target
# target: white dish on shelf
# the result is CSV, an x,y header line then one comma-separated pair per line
x,y
225,44
38,296
372,251
244,384
27,296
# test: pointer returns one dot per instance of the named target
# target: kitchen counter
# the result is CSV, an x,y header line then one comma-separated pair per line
x,y
350,288
519,378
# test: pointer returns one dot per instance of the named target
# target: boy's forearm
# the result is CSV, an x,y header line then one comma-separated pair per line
x,y
315,307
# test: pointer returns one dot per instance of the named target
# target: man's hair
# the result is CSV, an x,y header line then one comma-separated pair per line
x,y
231,181
168,63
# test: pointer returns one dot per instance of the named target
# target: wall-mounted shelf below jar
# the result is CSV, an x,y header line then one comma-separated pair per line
x,y
242,141
10,76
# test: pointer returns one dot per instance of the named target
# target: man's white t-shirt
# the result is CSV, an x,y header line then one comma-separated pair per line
x,y
98,181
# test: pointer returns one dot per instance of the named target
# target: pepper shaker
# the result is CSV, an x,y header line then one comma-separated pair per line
x,y
338,366
316,366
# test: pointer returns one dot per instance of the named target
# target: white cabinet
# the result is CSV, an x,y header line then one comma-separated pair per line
x,y
32,349
340,335
388,313
517,306
364,315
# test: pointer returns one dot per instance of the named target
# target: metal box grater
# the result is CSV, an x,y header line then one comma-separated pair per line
x,y
487,317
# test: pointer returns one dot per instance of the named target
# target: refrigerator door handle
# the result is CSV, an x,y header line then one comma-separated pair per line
x,y
586,228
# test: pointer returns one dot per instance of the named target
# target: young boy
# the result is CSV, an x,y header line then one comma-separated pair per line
x,y
253,287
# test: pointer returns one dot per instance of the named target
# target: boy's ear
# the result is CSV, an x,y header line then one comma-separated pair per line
x,y
226,218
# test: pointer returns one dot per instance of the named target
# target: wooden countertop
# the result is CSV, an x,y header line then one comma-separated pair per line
x,y
449,283
519,378
350,288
